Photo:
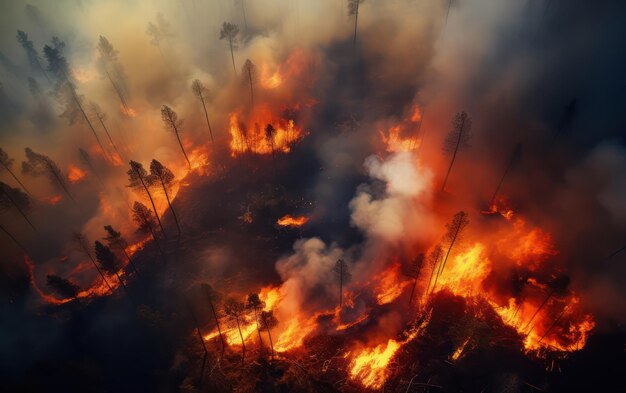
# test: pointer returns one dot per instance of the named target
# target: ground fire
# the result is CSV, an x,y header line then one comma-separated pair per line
x,y
312,197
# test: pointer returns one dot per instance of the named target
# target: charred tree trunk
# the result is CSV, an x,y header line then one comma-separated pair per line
x,y
181,146
232,54
356,21
14,239
156,213
217,322
169,203
93,261
17,207
16,179
106,131
206,115
442,265
243,343
456,149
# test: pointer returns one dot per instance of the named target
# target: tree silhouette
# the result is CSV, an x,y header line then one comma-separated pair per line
x,y
214,298
139,179
235,309
85,158
416,269
62,286
6,164
268,321
353,9
82,244
201,338
433,259
457,139
65,90
230,31
165,178
255,303
242,4
40,165
145,219
270,132
109,262
10,235
110,68
343,274
116,242
455,228
250,77
170,119
159,31
31,52
101,116
515,157
14,197
198,89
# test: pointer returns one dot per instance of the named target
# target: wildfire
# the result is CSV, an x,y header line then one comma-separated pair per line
x,y
262,133
292,221
396,138
75,174
128,111
370,366
391,284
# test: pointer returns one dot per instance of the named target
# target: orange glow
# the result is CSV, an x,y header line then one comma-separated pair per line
x,y
369,367
128,111
251,136
83,75
53,200
459,351
75,174
404,135
391,283
292,221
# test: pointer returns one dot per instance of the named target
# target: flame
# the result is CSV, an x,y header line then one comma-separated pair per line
x,y
459,351
292,221
75,174
53,200
270,80
391,284
370,366
251,135
396,140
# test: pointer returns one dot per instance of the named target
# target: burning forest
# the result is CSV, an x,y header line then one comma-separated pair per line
x,y
325,196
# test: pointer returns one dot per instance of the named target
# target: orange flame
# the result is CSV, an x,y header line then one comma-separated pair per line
x,y
391,284
75,174
292,221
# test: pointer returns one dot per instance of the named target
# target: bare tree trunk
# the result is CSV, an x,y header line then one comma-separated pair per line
x,y
96,266
109,136
412,291
14,239
269,334
251,88
206,352
117,91
16,206
217,323
181,146
60,181
356,21
145,187
130,261
16,179
206,115
243,343
169,203
545,301
232,55
443,263
258,329
456,149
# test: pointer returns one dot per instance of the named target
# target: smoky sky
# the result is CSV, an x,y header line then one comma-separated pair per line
x,y
546,74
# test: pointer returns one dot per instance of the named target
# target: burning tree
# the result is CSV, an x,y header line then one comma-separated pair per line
x,y
256,304
250,77
433,259
457,139
109,261
515,157
31,53
6,163
116,242
170,119
343,274
82,244
139,179
268,321
145,219
40,165
163,176
14,197
198,89
235,309
110,68
213,297
556,287
230,31
455,228
65,89
416,269
353,9
62,286
101,116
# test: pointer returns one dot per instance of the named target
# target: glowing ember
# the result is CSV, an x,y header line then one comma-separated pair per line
x,y
75,174
292,221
